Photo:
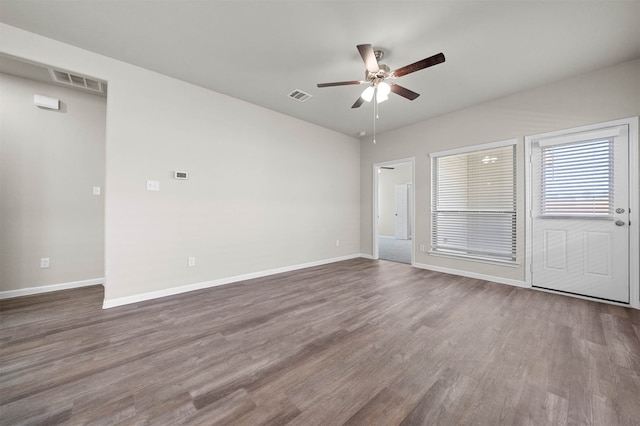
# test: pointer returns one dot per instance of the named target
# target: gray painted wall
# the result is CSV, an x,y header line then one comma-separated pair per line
x,y
265,191
49,163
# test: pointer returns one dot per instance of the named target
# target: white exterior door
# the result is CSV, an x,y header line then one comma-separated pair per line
x,y
580,213
401,212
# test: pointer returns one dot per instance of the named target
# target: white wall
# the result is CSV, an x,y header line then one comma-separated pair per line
x,y
387,181
49,163
603,95
265,190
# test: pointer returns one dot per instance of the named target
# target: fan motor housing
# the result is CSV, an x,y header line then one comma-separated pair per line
x,y
376,77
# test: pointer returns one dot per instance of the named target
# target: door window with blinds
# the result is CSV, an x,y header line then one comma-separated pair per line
x,y
473,212
576,179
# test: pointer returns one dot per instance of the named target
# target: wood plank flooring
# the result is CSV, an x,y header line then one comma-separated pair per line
x,y
358,342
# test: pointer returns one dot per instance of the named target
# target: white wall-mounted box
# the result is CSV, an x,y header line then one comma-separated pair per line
x,y
153,185
46,102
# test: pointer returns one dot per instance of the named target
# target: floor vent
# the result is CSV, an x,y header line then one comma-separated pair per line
x,y
299,95
77,80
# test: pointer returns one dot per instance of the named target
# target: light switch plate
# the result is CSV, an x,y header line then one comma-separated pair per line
x,y
96,190
153,185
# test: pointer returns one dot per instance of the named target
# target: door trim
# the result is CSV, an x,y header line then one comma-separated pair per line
x,y
376,167
634,205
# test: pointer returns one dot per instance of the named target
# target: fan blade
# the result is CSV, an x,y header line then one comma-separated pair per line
x,y
369,58
420,65
404,92
357,103
339,83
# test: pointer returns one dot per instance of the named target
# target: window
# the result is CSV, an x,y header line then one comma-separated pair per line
x,y
473,212
577,179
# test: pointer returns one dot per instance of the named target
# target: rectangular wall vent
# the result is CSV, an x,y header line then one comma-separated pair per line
x,y
299,95
77,80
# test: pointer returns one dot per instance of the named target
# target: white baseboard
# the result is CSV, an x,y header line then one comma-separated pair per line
x,y
367,256
112,303
499,280
48,288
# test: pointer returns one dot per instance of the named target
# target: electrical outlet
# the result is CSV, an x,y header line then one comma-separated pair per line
x,y
191,261
96,190
423,247
44,262
337,243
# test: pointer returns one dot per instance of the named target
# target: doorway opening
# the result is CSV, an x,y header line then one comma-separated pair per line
x,y
394,210
53,178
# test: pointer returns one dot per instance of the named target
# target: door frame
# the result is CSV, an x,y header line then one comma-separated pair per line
x,y
634,205
376,175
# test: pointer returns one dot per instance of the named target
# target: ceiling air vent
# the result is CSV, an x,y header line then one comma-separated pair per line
x,y
299,95
77,80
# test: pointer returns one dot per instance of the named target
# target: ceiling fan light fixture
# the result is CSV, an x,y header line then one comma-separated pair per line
x,y
383,89
381,97
367,95
375,74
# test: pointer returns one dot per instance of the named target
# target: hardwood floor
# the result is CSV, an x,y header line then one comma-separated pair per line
x,y
358,342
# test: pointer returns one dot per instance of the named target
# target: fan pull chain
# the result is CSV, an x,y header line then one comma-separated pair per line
x,y
375,113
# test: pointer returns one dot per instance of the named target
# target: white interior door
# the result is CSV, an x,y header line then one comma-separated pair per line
x,y
580,213
401,212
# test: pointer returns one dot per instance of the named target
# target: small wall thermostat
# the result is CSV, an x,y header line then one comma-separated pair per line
x,y
180,175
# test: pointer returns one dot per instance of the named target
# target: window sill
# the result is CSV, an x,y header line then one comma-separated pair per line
x,y
507,263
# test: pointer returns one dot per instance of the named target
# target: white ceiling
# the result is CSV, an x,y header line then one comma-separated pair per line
x,y
260,51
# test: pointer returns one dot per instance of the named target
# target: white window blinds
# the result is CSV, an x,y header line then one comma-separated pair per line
x,y
577,179
474,204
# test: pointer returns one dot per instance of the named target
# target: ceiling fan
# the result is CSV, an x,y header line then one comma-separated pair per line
x,y
377,73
